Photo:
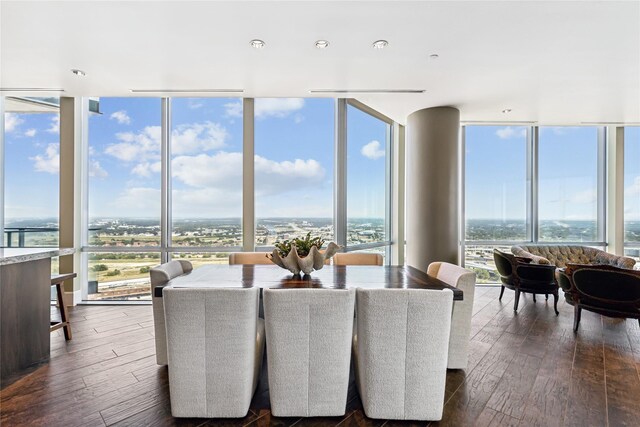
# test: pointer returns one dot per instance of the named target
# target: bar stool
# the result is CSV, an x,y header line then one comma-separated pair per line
x,y
57,280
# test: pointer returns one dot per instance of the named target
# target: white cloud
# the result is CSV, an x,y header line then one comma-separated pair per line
x,y
121,117
138,201
634,188
233,109
139,146
48,162
218,170
224,170
277,107
372,150
145,169
269,107
279,177
585,197
12,121
197,137
96,170
30,133
144,146
509,132
54,127
193,104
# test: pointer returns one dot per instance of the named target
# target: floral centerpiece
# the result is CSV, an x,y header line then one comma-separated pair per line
x,y
302,254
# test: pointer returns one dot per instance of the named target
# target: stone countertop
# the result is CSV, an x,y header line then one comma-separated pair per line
x,y
16,255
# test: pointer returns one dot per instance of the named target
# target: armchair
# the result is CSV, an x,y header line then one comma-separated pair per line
x,y
522,276
602,289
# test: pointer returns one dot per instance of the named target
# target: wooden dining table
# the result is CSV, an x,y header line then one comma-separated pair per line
x,y
331,277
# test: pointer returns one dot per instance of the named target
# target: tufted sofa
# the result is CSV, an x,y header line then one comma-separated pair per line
x,y
561,255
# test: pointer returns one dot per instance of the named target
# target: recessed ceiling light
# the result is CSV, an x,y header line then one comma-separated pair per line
x,y
78,72
506,111
257,44
434,56
380,44
322,44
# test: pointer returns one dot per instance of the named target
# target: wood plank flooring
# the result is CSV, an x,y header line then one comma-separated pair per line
x,y
525,369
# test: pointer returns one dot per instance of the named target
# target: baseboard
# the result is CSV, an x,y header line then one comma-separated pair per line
x,y
73,298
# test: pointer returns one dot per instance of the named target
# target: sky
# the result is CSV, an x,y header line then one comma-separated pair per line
x,y
495,175
294,157
293,163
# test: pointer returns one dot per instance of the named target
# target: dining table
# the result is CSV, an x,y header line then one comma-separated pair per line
x,y
329,277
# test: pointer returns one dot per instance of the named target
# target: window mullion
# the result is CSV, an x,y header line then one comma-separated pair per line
x,y
165,159
340,174
532,183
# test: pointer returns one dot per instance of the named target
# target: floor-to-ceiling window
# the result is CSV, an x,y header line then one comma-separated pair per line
x,y
495,194
526,184
31,172
568,184
166,175
632,191
124,197
206,179
294,155
368,190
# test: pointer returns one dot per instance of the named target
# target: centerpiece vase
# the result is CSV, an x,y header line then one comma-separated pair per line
x,y
296,264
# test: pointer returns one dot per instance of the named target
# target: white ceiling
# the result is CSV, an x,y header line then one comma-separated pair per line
x,y
551,62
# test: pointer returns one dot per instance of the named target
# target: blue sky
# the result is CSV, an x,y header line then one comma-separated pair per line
x,y
294,163
496,173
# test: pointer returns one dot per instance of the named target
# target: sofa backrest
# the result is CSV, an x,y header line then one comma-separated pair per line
x,y
561,255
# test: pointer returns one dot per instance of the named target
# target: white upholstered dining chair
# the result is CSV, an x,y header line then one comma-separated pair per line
x,y
464,280
215,344
160,276
400,347
308,350
357,258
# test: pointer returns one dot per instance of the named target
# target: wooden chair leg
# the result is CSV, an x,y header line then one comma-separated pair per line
x,y
501,292
64,316
546,297
577,311
534,297
517,299
555,303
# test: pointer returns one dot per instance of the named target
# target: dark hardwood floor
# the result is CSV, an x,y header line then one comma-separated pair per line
x,y
526,369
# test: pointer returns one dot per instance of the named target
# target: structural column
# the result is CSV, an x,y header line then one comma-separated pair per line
x,y
432,194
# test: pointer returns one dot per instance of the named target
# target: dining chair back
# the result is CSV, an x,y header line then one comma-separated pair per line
x,y
401,347
215,345
249,258
308,350
357,258
464,280
160,277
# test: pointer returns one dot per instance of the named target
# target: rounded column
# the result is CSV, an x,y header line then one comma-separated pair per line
x,y
432,149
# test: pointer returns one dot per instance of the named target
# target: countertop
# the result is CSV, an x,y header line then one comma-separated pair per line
x,y
16,255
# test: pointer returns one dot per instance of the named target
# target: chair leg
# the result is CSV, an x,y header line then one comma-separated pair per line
x,y
64,315
515,302
534,297
577,311
546,297
555,303
501,292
